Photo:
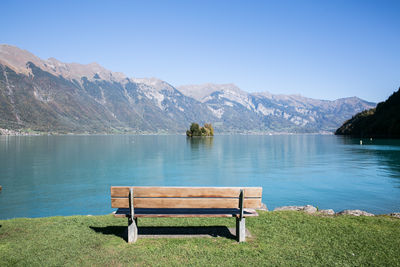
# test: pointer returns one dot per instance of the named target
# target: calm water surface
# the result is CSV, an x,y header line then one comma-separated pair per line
x,y
65,175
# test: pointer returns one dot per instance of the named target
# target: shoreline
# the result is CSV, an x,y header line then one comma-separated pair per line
x,y
6,132
314,210
309,209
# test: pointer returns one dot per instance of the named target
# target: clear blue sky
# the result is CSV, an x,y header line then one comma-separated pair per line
x,y
320,49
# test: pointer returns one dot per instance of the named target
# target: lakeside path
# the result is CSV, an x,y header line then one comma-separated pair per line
x,y
283,238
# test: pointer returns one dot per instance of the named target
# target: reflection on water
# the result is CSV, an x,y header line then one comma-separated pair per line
x,y
384,153
199,142
64,175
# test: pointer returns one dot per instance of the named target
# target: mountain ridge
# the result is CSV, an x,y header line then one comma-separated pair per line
x,y
382,121
49,95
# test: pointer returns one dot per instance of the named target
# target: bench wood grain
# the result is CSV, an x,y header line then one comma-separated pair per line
x,y
185,203
208,192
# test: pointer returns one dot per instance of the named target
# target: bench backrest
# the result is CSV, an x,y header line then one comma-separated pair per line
x,y
185,197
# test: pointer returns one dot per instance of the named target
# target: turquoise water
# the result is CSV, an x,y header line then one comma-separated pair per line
x,y
65,175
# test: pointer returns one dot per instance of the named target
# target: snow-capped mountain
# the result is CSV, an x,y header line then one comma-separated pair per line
x,y
265,111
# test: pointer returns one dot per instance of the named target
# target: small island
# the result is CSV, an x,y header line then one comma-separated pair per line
x,y
196,130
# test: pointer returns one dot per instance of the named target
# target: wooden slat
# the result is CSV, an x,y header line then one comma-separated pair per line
x,y
185,203
185,213
123,191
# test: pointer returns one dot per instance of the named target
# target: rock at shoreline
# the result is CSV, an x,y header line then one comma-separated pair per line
x,y
395,214
310,209
355,213
307,208
295,208
263,207
327,212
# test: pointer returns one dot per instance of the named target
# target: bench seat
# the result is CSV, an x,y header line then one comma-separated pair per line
x,y
170,213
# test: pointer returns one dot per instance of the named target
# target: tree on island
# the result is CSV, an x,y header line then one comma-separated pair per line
x,y
196,130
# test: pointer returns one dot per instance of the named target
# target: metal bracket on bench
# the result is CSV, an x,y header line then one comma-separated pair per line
x,y
241,221
132,221
241,200
131,206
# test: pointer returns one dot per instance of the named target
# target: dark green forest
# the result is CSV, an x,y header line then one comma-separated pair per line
x,y
382,121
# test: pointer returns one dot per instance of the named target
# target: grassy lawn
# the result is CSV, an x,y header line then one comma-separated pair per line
x,y
279,238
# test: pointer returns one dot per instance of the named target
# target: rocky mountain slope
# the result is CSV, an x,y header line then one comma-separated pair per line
x,y
382,121
49,95
284,113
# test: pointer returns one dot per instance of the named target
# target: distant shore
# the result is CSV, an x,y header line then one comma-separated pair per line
x,y
16,132
29,132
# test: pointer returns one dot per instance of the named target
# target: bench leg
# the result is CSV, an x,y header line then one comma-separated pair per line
x,y
132,230
241,229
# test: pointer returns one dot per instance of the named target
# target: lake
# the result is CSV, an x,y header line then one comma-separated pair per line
x,y
66,175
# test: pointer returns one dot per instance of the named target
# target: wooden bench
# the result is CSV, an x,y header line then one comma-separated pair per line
x,y
135,201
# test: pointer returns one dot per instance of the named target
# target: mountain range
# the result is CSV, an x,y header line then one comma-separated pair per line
x,y
52,96
382,121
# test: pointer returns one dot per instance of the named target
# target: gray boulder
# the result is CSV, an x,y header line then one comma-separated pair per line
x,y
355,213
309,209
395,214
306,208
327,212
295,208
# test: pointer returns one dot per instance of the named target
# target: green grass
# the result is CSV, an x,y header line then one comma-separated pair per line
x,y
279,238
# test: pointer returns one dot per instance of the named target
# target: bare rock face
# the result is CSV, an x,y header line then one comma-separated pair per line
x,y
46,94
327,212
395,214
355,213
295,208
